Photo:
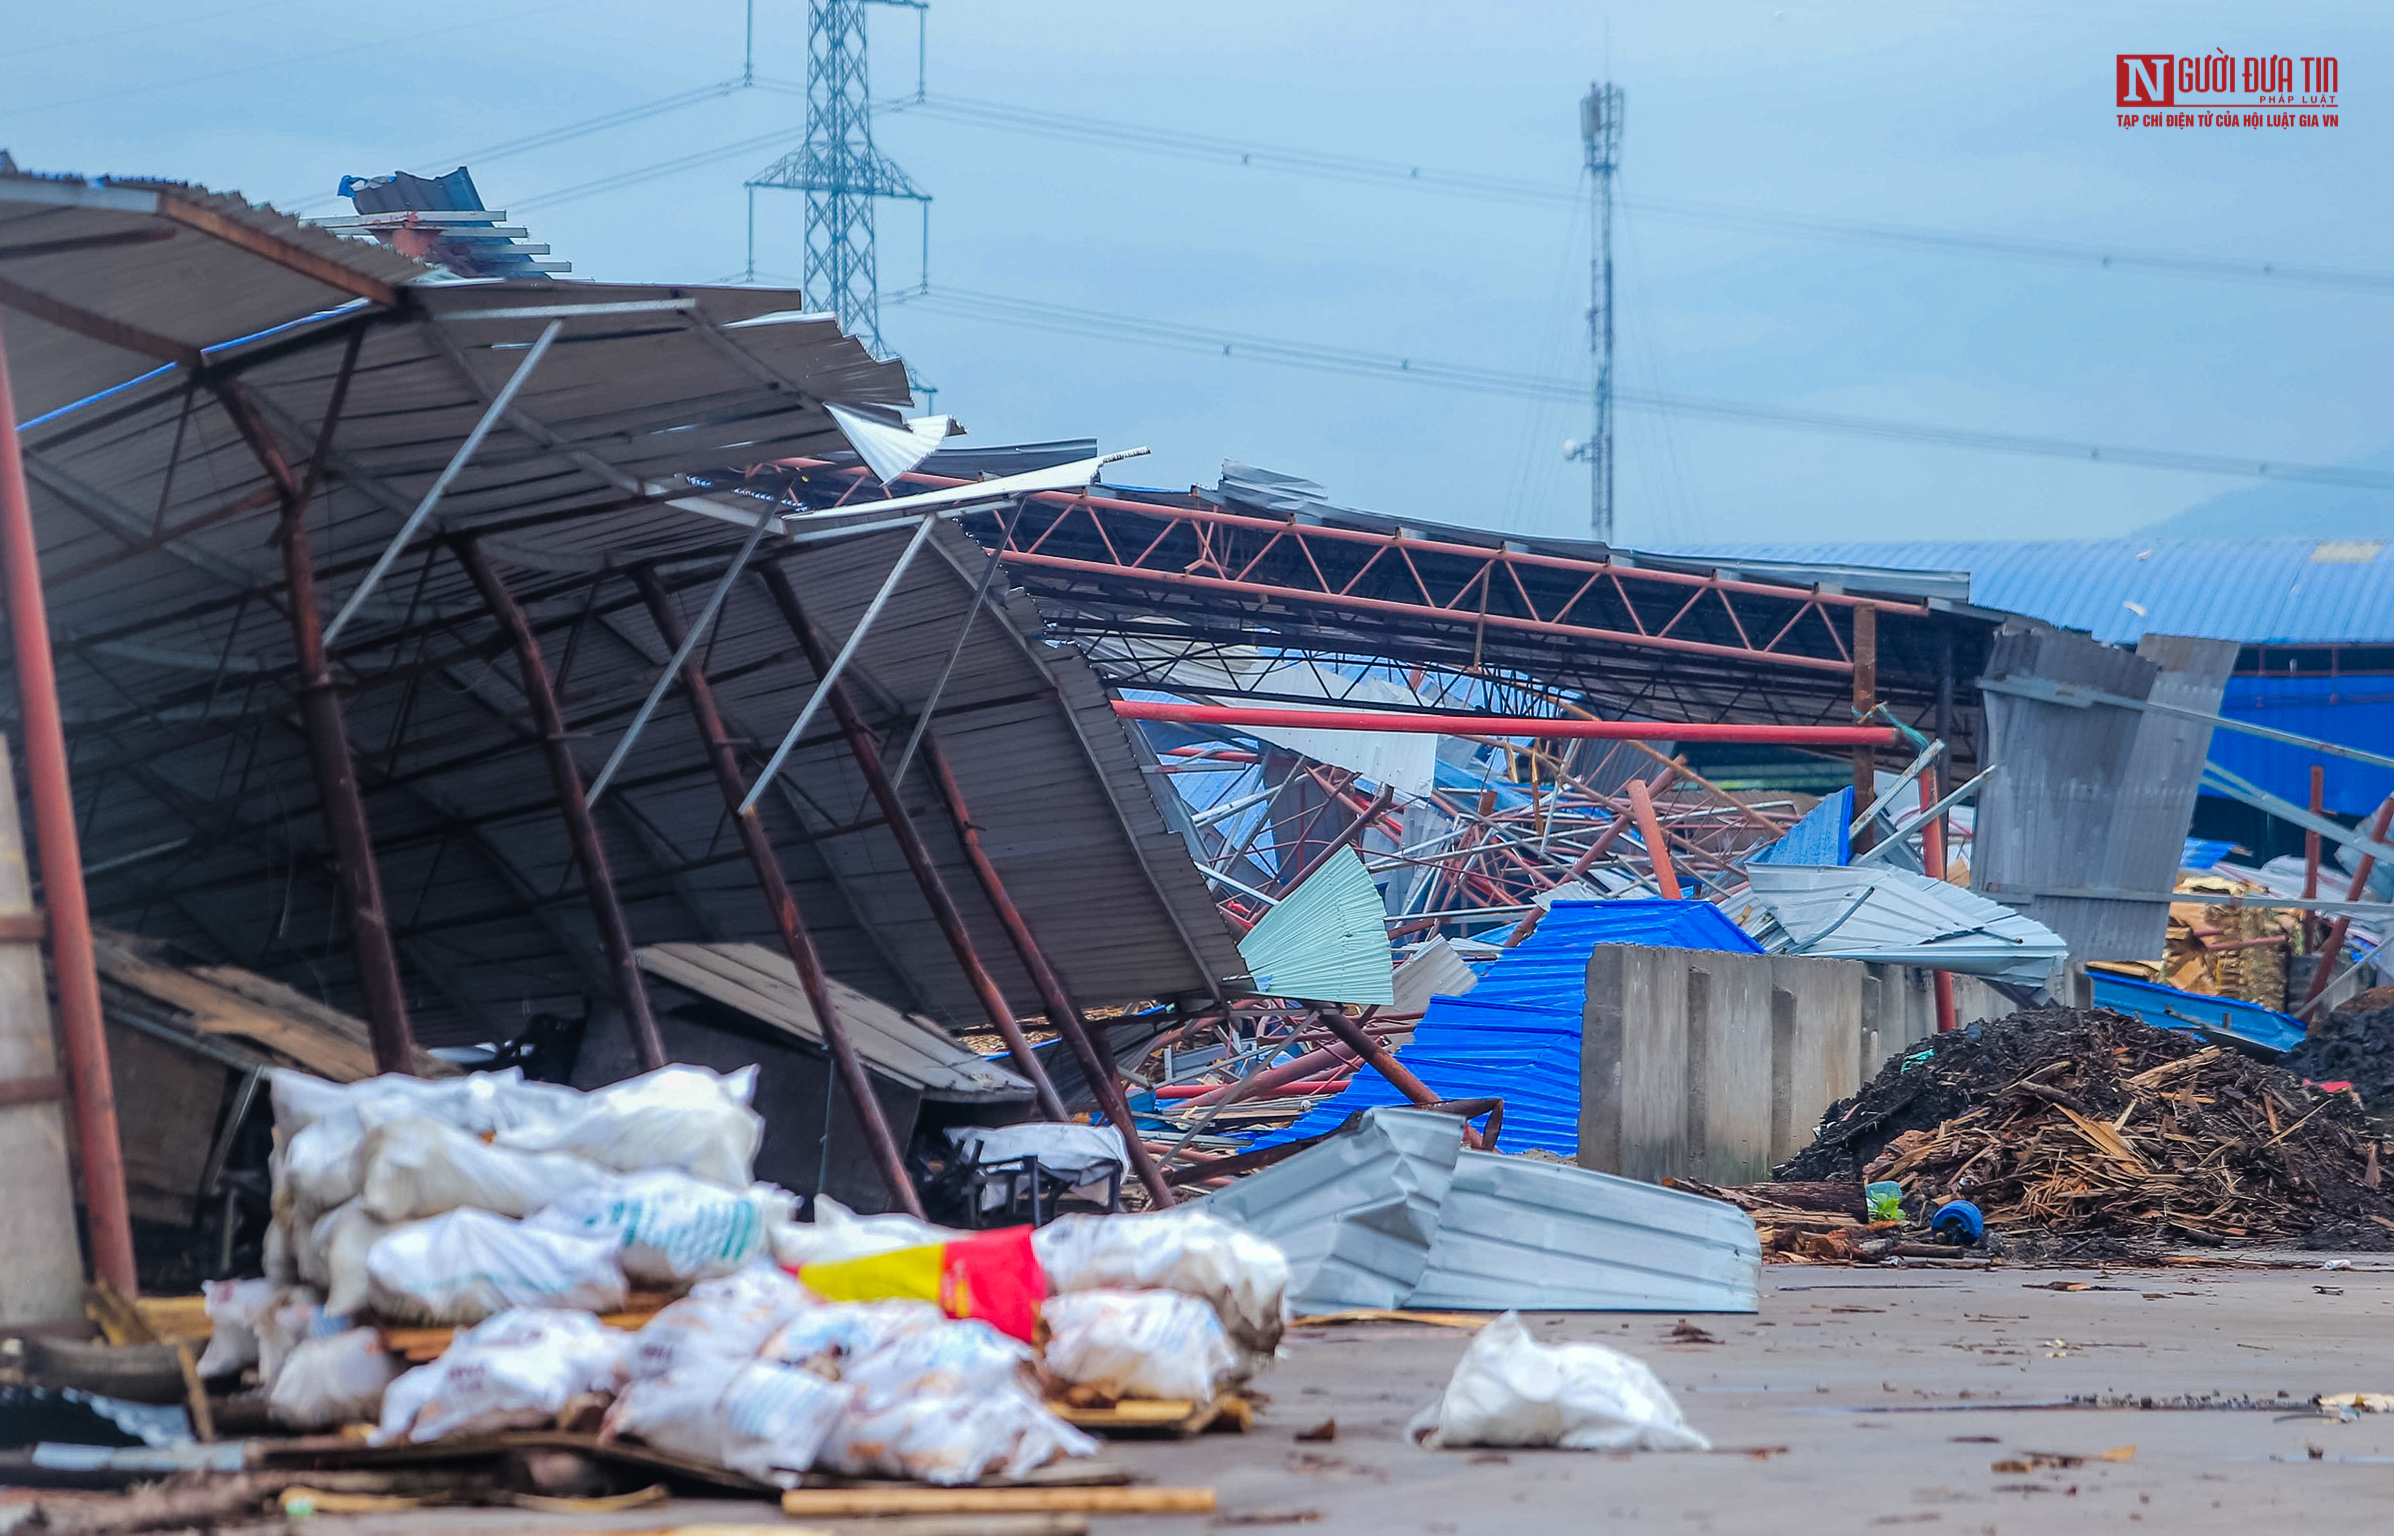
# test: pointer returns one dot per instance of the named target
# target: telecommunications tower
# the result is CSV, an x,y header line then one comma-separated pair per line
x,y
840,171
1600,132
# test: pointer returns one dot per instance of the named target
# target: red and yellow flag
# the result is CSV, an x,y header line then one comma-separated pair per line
x,y
994,1276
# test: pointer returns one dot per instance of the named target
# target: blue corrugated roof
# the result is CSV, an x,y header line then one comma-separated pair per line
x,y
2264,590
1823,837
1516,1035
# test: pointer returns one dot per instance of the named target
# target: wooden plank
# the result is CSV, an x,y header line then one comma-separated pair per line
x,y
833,1503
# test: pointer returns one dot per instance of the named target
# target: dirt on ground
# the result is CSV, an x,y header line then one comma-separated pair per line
x,y
2354,1044
2086,1133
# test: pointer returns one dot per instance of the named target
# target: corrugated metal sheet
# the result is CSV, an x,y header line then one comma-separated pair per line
x,y
762,984
2217,1018
1357,1214
1328,941
2118,590
1824,836
2047,821
1522,1232
1517,1036
1437,971
2356,711
177,677
1893,917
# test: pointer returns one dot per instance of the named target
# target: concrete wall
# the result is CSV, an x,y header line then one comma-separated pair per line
x,y
1712,1065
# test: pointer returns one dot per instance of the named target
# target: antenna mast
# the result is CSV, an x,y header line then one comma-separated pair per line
x,y
1600,133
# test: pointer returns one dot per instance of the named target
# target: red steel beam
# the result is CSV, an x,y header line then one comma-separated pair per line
x,y
724,760
581,829
74,971
1504,725
1457,615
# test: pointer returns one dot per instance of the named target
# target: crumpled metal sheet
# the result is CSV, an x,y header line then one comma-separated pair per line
x,y
1548,1236
1394,1213
1356,1214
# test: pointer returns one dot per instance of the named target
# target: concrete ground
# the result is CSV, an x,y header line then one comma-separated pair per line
x,y
1856,1398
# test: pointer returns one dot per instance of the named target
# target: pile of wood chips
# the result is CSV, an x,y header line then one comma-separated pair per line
x,y
2061,1124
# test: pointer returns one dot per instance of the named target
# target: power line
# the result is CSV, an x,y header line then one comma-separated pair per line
x,y
1360,169
688,162
1037,315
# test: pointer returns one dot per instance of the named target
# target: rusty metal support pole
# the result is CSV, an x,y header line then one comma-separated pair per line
x,y
2311,843
1353,832
73,969
581,829
2332,947
1658,849
724,759
1383,1061
944,911
1932,862
1866,699
1099,1068
342,804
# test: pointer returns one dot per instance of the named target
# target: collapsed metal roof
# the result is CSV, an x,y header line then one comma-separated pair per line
x,y
235,338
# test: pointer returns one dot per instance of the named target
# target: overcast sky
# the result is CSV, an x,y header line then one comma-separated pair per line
x,y
1975,118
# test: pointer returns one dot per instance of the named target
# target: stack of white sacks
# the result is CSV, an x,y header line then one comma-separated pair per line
x,y
525,1210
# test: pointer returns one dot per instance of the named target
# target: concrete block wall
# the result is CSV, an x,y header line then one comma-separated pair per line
x,y
1710,1065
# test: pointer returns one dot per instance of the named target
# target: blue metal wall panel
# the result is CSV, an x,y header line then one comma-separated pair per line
x,y
1515,1037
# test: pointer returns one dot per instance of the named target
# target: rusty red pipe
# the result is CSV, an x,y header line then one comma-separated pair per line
x,y
1504,725
75,972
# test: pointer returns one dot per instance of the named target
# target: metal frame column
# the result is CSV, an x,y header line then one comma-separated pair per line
x,y
342,803
581,829
944,910
77,975
724,759
1866,699
1102,1072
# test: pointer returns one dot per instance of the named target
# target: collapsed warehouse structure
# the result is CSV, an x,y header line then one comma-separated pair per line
x,y
612,674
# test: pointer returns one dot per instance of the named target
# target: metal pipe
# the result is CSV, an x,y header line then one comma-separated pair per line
x,y
1364,821
2311,861
1658,849
830,674
581,829
1383,1061
1866,699
440,486
1932,862
342,803
73,969
681,654
2333,945
724,761
1504,725
1097,1063
944,911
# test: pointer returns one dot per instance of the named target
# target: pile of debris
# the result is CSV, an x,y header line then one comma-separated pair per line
x,y
2085,1132
2354,1045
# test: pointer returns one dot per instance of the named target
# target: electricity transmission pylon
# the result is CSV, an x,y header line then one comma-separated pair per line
x,y
1600,134
840,171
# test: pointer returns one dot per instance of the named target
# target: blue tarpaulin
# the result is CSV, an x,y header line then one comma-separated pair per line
x,y
1516,1036
2168,1008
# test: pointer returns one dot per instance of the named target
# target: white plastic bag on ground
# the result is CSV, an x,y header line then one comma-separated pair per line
x,y
330,1382
1244,1276
294,1316
720,1324
464,1266
517,1370
838,1234
340,1242
319,1125
417,1167
671,1227
1509,1389
675,1117
824,1339
765,1420
1158,1344
951,1440
278,1259
235,1308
